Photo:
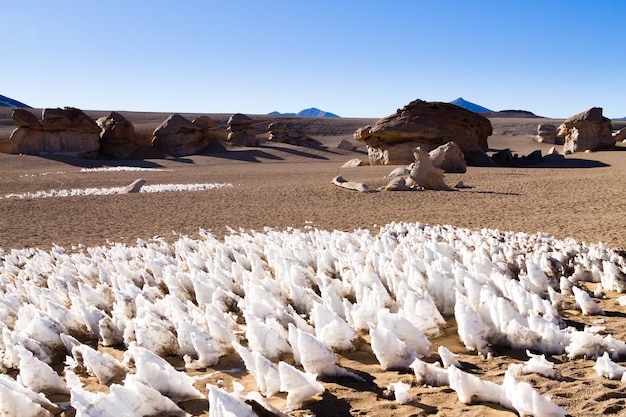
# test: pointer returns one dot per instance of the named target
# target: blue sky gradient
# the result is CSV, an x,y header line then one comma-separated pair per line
x,y
352,58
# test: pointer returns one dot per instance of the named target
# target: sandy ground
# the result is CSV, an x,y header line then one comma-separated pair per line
x,y
282,186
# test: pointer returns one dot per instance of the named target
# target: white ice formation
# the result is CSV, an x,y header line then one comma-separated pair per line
x,y
536,364
201,299
401,392
224,404
299,386
154,188
607,368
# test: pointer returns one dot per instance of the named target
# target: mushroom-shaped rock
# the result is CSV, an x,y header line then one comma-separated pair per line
x,y
586,131
177,136
425,174
391,140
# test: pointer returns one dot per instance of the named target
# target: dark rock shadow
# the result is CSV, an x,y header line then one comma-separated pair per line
x,y
614,314
245,155
297,152
506,158
367,384
491,192
330,405
183,160
566,163
99,163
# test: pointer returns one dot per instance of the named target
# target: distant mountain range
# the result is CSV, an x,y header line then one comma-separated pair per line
x,y
9,102
470,106
312,112
490,113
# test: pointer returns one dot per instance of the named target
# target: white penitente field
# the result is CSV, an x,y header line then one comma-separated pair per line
x,y
274,298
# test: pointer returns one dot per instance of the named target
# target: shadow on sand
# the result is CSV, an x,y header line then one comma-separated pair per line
x,y
99,163
566,163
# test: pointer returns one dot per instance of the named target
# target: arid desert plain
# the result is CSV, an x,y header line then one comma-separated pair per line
x,y
287,188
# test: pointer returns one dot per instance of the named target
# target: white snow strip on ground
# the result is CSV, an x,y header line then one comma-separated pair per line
x,y
156,188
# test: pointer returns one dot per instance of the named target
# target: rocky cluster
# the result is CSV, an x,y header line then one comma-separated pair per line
x,y
60,130
283,133
71,131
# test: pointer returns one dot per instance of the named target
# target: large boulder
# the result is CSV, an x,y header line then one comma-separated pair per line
x,y
586,131
67,130
241,131
449,157
117,137
392,139
177,136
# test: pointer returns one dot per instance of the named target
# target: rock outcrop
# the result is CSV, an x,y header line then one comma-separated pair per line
x,y
547,134
117,136
177,136
392,139
425,174
449,157
67,130
241,131
586,131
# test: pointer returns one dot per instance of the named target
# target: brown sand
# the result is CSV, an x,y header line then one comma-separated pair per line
x,y
283,186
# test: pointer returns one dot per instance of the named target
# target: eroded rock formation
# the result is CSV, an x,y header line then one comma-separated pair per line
x,y
117,136
586,131
67,130
241,131
425,174
547,134
177,136
392,139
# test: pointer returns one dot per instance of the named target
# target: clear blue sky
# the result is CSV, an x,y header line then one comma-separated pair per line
x,y
353,58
